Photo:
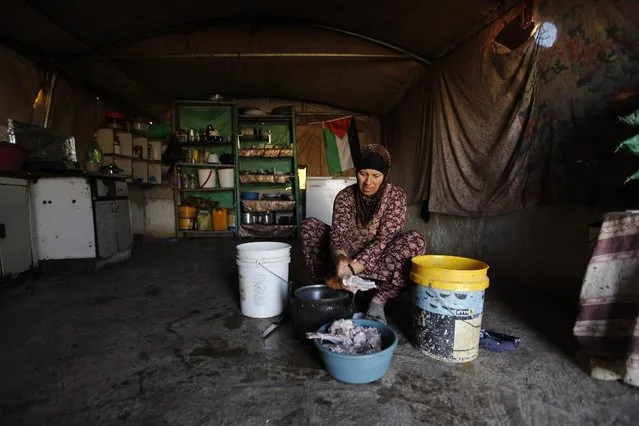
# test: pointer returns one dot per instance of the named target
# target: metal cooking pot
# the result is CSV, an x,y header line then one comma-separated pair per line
x,y
315,305
264,218
248,218
268,218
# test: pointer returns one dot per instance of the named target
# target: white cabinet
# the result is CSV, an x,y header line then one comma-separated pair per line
x,y
16,244
320,195
82,218
64,218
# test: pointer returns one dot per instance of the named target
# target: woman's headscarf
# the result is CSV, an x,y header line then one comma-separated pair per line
x,y
376,157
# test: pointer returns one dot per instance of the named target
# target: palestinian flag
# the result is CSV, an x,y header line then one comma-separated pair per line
x,y
341,144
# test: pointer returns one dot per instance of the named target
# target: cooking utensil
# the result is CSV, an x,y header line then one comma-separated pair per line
x,y
268,218
315,305
272,196
274,325
248,218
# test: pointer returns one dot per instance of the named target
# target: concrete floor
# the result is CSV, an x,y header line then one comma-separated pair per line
x,y
160,340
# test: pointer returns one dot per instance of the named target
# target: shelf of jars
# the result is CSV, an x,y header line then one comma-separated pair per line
x,y
206,178
137,156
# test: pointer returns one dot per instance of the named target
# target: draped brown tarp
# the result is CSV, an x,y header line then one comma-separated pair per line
x,y
511,129
482,98
457,137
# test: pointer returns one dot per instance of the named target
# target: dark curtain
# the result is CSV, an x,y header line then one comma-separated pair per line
x,y
509,129
482,97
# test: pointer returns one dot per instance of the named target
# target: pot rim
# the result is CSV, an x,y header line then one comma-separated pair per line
x,y
339,294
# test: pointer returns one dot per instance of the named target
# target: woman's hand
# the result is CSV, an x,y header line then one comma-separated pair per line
x,y
334,282
342,262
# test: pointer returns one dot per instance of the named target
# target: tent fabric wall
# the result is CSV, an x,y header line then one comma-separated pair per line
x,y
407,138
75,113
586,80
511,129
19,85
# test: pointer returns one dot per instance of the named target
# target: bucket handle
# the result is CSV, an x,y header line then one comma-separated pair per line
x,y
272,273
289,284
207,179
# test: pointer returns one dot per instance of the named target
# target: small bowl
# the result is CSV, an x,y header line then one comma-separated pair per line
x,y
359,369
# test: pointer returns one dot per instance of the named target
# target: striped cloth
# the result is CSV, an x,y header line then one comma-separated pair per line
x,y
607,327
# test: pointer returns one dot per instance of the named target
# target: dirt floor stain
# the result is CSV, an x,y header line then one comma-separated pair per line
x,y
152,290
103,300
324,402
214,317
21,406
217,352
234,322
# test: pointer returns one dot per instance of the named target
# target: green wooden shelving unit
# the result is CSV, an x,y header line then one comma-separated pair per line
x,y
282,129
198,115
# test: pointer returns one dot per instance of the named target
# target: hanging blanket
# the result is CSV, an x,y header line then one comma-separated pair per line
x,y
607,327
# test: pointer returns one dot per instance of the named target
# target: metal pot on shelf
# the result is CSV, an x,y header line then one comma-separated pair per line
x,y
265,218
248,218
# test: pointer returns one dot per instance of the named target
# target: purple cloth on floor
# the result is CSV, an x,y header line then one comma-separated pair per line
x,y
497,342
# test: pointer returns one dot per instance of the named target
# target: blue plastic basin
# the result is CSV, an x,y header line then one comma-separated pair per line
x,y
358,369
247,195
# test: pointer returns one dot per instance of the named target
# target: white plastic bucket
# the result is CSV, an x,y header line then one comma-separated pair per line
x,y
263,271
227,176
206,178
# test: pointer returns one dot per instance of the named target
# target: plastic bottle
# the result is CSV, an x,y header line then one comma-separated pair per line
x,y
95,152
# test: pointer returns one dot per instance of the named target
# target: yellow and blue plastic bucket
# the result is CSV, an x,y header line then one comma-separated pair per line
x,y
448,306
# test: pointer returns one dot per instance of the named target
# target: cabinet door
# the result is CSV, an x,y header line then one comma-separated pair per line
x,y
105,227
14,215
123,225
63,212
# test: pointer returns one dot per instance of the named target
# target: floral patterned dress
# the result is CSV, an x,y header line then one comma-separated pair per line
x,y
381,246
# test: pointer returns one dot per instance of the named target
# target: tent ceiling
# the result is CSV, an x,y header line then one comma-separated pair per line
x,y
139,51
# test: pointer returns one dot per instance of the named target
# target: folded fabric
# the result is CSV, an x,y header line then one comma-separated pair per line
x,y
497,342
353,283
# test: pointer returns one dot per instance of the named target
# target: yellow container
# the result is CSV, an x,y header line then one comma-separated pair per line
x,y
220,219
204,220
449,273
186,224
